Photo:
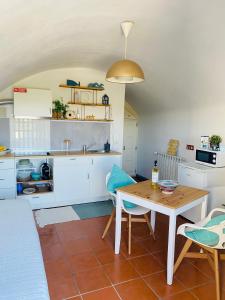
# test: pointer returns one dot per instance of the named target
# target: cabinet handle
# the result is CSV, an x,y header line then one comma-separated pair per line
x,y
72,158
88,176
35,197
1,162
2,198
1,179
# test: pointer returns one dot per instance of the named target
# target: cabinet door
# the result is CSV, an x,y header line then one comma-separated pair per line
x,y
72,179
193,178
8,193
33,103
101,166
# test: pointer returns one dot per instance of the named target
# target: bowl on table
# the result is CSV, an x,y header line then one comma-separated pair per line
x,y
167,186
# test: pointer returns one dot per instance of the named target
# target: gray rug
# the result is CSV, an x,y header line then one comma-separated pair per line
x,y
93,209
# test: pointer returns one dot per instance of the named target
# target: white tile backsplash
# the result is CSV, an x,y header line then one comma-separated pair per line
x,y
29,134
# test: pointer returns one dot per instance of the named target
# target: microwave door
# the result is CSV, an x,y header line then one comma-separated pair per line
x,y
205,157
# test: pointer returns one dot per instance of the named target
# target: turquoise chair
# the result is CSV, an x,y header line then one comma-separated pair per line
x,y
128,208
209,235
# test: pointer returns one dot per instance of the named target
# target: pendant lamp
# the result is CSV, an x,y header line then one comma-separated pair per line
x,y
125,70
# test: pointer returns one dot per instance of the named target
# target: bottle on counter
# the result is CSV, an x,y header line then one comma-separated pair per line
x,y
155,174
107,147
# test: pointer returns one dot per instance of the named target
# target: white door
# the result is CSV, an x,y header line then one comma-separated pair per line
x,y
130,146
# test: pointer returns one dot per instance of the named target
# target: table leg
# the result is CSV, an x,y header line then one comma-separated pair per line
x,y
118,223
204,207
153,214
171,248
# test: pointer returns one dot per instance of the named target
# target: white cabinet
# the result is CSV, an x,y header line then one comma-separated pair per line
x,y
34,103
203,177
101,166
7,179
72,179
82,179
38,201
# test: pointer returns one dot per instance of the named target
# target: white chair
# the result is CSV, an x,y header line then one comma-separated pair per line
x,y
209,235
136,211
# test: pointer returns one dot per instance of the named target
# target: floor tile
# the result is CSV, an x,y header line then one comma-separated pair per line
x,y
48,236
70,230
73,247
182,296
140,231
120,271
83,262
62,287
135,289
157,282
92,280
203,266
52,252
104,294
190,276
107,256
97,243
207,292
154,245
146,264
57,268
137,249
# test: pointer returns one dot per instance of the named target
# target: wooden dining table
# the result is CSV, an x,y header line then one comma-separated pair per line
x,y
181,200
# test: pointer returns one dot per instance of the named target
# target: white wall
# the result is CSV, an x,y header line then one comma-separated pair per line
x,y
52,78
188,99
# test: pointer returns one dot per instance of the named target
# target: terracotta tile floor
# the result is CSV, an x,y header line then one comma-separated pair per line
x,y
81,266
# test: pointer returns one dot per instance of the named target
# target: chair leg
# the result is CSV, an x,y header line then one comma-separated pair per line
x,y
149,225
187,245
109,223
129,234
217,275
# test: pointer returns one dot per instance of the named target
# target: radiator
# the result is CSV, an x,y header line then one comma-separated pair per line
x,y
168,165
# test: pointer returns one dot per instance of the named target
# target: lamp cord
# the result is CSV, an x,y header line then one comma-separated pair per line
x,y
125,48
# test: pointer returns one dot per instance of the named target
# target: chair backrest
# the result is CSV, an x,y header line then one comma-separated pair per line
x,y
114,194
206,226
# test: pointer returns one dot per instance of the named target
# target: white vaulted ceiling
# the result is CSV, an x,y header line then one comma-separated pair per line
x,y
38,35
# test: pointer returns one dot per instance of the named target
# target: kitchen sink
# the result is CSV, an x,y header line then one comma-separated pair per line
x,y
95,151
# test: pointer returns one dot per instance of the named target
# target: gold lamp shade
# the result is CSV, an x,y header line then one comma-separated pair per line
x,y
125,71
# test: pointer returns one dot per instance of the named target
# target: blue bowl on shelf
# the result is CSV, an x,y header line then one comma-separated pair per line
x,y
35,176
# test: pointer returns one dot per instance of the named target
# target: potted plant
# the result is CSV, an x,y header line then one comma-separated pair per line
x,y
59,110
215,141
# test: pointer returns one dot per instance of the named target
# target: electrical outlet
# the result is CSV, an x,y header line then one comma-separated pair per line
x,y
190,147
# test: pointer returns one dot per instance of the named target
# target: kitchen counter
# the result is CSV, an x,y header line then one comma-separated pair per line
x,y
8,155
80,153
53,154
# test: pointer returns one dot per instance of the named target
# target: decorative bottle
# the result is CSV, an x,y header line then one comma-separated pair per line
x,y
155,174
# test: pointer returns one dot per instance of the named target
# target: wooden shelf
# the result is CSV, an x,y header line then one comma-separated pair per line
x,y
35,181
75,120
89,104
81,87
34,194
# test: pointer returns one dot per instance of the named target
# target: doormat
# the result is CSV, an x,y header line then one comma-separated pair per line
x,y
48,216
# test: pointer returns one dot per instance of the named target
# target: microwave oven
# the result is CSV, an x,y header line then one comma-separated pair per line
x,y
210,158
